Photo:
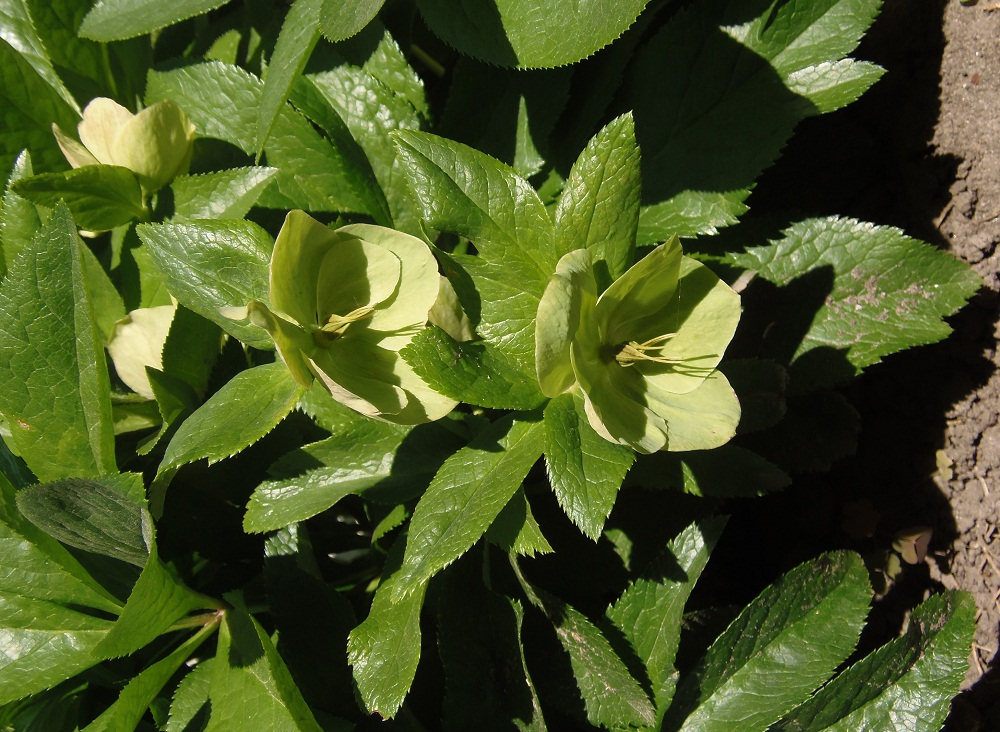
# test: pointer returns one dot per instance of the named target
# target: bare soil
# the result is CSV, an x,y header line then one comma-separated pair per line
x,y
968,129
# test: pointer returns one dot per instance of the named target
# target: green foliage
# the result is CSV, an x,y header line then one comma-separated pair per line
x,y
879,299
111,20
100,197
508,34
60,417
444,442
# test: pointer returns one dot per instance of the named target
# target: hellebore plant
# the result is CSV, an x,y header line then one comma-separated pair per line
x,y
644,352
247,548
343,304
155,144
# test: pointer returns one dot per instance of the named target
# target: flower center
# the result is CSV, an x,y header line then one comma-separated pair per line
x,y
337,324
631,352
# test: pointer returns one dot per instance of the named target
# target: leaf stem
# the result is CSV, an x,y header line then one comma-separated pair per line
x,y
432,64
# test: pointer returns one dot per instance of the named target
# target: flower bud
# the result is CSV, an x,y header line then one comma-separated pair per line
x,y
155,144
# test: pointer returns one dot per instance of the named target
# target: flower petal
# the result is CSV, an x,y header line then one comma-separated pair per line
x,y
614,401
354,274
423,403
699,420
103,120
137,342
569,292
360,375
448,315
703,317
639,293
299,250
76,154
155,144
418,278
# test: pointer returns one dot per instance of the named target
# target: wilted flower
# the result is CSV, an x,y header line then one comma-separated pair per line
x,y
155,144
343,304
644,353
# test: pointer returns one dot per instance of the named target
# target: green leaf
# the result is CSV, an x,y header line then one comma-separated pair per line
x,y
83,64
611,695
383,462
471,372
370,110
729,471
802,34
240,413
737,88
888,293
529,35
31,107
210,265
818,429
296,40
585,470
57,395
341,19
39,567
516,530
107,303
760,385
228,194
387,63
479,638
137,696
470,194
19,221
783,646
222,101
114,20
906,684
101,197
190,697
175,400
385,649
251,687
17,27
158,599
832,85
599,206
45,643
191,349
650,611
466,495
102,516
506,113
46,640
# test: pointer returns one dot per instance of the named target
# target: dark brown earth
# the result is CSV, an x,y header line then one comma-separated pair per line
x,y
968,128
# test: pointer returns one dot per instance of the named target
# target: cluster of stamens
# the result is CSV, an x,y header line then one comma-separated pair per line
x,y
337,324
645,351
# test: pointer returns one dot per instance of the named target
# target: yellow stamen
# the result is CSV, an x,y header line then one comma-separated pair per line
x,y
337,324
632,351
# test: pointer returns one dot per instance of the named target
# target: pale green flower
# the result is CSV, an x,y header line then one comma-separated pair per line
x,y
644,352
343,304
137,342
155,144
